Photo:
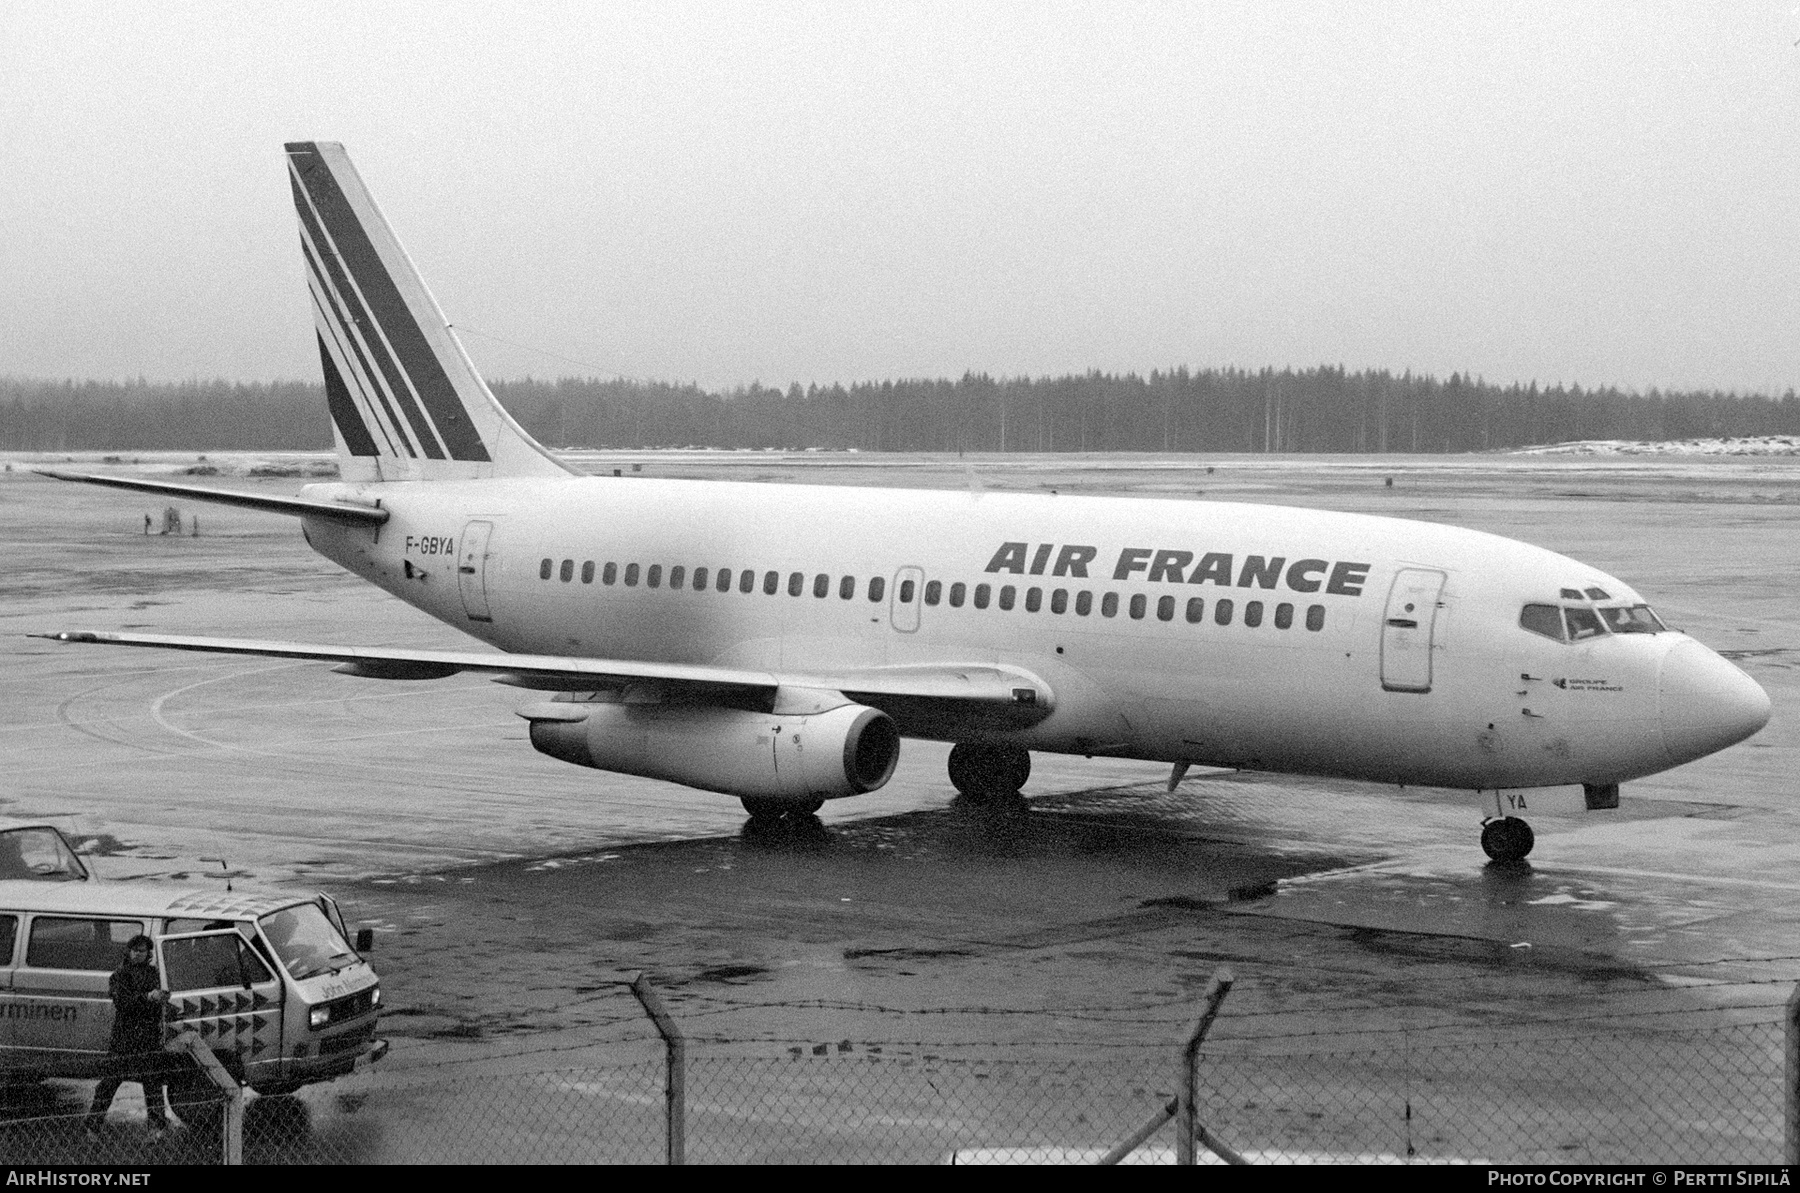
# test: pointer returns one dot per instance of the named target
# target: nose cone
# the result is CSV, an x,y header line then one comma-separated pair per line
x,y
1706,703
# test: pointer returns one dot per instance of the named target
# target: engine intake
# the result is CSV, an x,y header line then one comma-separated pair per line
x,y
848,750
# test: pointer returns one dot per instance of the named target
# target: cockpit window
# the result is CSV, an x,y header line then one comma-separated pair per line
x,y
1542,619
1597,594
1583,623
1632,619
1576,623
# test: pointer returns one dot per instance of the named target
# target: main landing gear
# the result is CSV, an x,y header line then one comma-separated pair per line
x,y
767,812
989,776
1507,839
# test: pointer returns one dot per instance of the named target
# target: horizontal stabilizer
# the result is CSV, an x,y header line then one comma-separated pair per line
x,y
366,515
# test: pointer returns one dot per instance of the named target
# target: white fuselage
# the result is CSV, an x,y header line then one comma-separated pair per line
x,y
1382,649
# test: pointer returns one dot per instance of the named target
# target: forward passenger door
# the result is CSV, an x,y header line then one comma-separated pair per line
x,y
903,612
1408,628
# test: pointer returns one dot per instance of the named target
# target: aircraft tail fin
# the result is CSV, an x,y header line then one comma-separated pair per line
x,y
406,402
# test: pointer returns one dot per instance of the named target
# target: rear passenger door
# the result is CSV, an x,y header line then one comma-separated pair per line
x,y
61,1013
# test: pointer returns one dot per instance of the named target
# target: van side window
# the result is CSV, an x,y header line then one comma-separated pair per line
x,y
9,935
208,962
59,942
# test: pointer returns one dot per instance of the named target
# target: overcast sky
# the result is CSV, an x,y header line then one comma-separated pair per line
x,y
1603,193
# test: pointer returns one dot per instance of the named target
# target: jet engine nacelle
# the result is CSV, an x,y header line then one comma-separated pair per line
x,y
848,750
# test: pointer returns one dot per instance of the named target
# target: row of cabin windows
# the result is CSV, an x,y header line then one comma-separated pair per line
x,y
1224,609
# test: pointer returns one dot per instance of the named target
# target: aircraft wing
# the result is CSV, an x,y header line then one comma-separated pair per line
x,y
342,511
926,687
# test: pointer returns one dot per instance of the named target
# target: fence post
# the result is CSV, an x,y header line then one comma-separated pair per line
x,y
1187,1120
675,1048
189,1041
1791,1110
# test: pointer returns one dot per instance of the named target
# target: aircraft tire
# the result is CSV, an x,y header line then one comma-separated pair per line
x,y
761,808
1508,839
987,774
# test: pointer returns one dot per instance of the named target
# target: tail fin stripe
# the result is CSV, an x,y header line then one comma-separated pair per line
x,y
357,319
338,324
349,421
393,319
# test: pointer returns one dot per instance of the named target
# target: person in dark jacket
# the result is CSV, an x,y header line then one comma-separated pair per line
x,y
137,1037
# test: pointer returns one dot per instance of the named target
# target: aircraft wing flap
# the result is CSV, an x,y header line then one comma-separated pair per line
x,y
965,684
395,663
367,515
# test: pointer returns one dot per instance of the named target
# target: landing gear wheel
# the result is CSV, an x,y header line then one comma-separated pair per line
x,y
989,774
1508,839
763,809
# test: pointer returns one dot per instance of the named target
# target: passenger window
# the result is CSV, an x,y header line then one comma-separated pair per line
x,y
1084,603
631,575
1109,605
9,936
877,586
982,593
1253,613
771,583
1034,599
677,574
1583,623
62,943
653,576
1008,596
544,569
1138,605
747,581
587,572
1542,619
1196,610
700,579
724,581
1284,616
1315,617
1222,610
821,585
934,591
796,583
609,574
846,588
906,592
957,591
568,570
1165,608
1059,601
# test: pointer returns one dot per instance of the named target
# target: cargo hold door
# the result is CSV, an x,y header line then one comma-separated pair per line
x,y
1407,629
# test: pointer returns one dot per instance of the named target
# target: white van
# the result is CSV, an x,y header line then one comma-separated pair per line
x,y
268,980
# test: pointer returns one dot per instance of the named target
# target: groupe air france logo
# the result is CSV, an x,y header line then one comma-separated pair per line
x,y
1172,566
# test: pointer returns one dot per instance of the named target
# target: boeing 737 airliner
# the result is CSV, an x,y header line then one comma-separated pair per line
x,y
775,643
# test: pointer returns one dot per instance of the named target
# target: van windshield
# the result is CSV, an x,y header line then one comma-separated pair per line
x,y
306,941
39,853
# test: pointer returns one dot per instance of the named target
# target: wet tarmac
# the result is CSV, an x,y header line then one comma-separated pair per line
x,y
512,893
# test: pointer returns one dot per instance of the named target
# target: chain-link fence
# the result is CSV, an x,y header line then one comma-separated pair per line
x,y
1654,1093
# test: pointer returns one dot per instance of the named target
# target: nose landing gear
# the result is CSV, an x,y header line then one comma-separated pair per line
x,y
1507,839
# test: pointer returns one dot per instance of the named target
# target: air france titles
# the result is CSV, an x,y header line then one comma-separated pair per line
x,y
1160,566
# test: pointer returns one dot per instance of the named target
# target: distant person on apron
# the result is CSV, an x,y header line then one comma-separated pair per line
x,y
137,1036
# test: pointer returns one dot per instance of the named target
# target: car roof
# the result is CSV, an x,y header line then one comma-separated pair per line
x,y
141,899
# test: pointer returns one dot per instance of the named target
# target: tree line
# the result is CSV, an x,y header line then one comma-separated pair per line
x,y
1324,409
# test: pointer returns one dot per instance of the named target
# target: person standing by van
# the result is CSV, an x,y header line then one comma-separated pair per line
x,y
136,1046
